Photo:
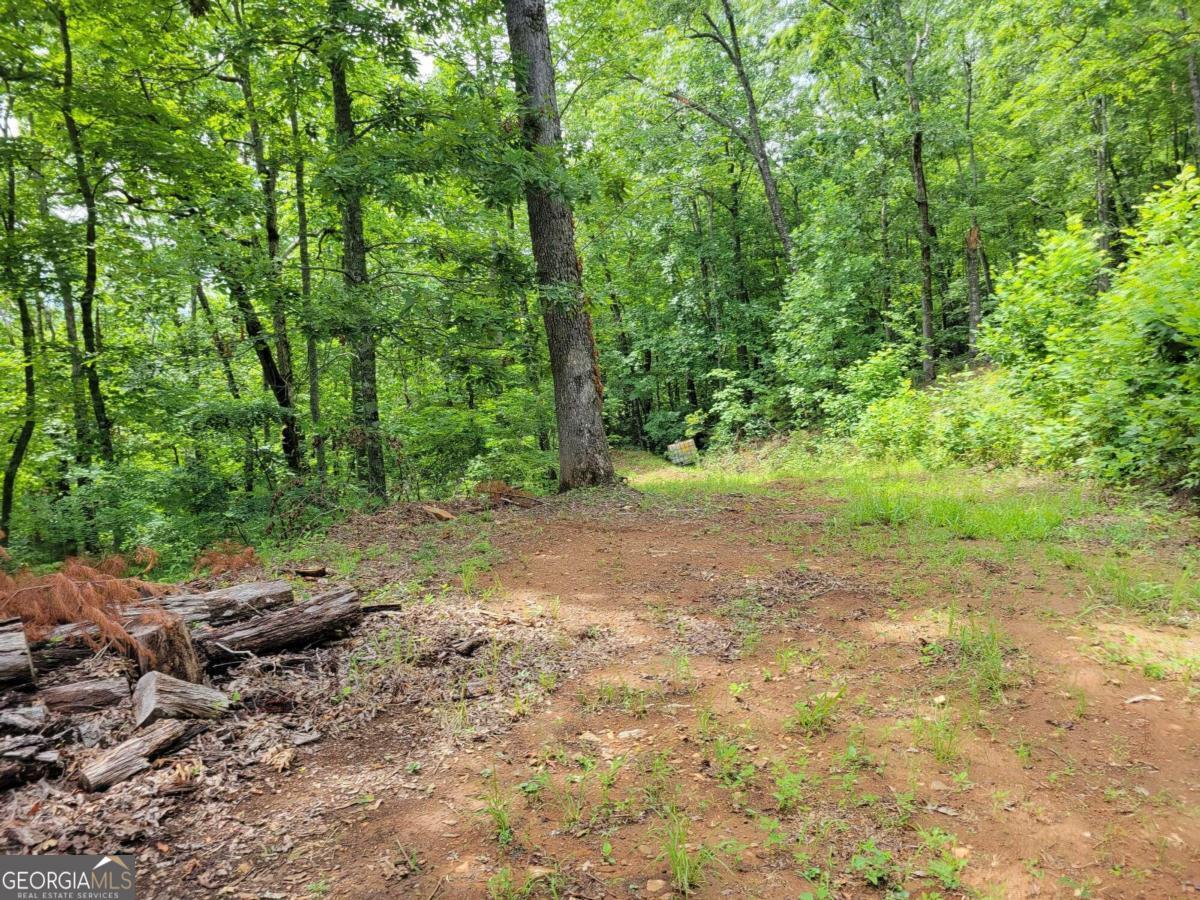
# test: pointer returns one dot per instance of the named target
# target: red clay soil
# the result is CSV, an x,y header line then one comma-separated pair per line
x,y
1061,787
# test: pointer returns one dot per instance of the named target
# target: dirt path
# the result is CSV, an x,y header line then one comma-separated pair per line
x,y
744,696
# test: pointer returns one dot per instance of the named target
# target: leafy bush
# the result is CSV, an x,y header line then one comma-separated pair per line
x,y
1106,382
881,376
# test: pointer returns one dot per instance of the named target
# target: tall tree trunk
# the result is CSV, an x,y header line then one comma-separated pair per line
x,y
578,396
753,133
625,345
224,355
925,233
974,238
1193,86
974,306
739,267
268,175
533,376
364,395
87,297
310,337
29,407
1105,211
79,410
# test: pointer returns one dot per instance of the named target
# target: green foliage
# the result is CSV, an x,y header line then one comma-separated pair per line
x,y
1102,381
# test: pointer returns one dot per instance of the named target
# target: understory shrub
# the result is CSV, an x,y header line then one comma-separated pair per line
x,y
1092,369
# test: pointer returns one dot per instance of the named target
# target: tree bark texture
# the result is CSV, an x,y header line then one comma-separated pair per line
x,y
578,394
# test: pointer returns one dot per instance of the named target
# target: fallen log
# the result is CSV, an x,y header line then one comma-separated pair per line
x,y
315,570
158,696
23,719
85,696
163,641
231,604
305,623
26,757
166,646
65,645
133,756
16,663
14,772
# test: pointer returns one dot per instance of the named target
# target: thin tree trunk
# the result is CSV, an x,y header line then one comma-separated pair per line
x,y
625,345
310,338
974,306
758,147
739,266
29,407
224,355
529,338
268,174
1193,86
1105,212
974,239
925,232
578,394
87,296
363,390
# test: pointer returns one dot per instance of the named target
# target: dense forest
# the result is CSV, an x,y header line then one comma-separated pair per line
x,y
263,263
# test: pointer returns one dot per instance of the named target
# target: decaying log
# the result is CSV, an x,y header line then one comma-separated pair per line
x,y
65,645
192,608
231,604
158,696
25,757
16,663
314,570
85,696
23,719
166,646
127,759
304,623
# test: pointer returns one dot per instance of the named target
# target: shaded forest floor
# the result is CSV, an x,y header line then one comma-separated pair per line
x,y
846,680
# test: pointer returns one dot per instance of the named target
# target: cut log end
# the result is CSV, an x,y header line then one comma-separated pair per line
x,y
158,696
16,662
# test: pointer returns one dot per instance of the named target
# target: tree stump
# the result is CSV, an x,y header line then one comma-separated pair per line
x,y
158,696
16,662
165,645
85,696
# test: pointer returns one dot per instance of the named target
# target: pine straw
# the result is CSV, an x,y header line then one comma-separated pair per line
x,y
80,593
226,558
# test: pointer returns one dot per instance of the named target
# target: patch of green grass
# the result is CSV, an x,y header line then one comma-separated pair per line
x,y
687,862
617,695
874,864
981,650
815,714
941,735
959,506
496,806
790,787
729,764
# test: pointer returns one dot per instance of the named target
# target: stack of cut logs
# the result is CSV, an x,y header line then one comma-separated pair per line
x,y
178,640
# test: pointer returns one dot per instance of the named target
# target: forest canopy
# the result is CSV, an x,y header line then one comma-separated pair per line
x,y
263,263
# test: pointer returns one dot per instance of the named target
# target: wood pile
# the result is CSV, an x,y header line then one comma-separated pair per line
x,y
179,643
